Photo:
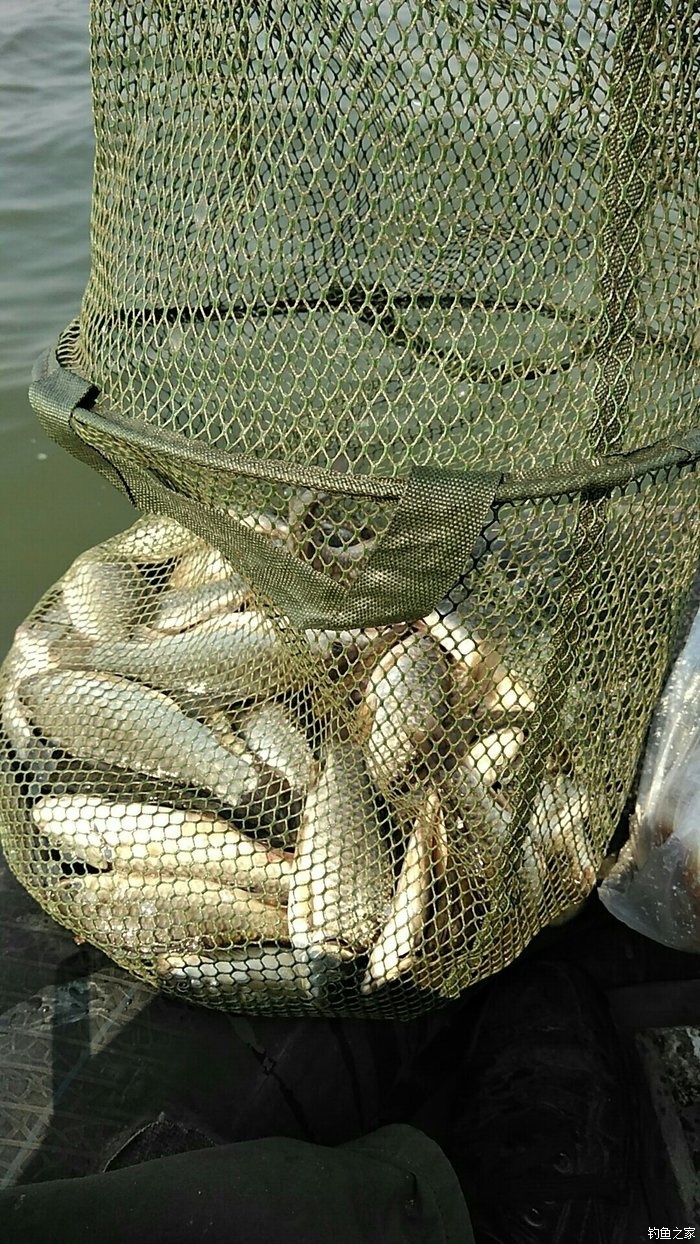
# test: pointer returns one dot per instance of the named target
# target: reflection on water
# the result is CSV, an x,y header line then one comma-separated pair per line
x,y
51,507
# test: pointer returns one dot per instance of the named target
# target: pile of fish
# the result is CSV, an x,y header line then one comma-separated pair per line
x,y
231,804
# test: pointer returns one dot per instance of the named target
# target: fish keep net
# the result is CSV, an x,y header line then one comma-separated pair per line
x,y
391,334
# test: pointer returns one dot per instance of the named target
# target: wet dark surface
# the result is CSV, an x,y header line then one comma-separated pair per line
x,y
87,1054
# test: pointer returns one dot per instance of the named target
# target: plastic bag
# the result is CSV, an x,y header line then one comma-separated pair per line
x,y
655,885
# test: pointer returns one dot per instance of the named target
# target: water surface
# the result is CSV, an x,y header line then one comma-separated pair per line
x,y
51,507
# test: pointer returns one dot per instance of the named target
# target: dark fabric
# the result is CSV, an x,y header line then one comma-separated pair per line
x,y
394,1186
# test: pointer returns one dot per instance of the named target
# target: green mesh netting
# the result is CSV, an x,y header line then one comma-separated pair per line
x,y
392,333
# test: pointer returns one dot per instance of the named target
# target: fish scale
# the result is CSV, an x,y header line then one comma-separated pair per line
x,y
404,703
343,873
103,598
144,912
270,735
398,945
143,837
235,655
111,720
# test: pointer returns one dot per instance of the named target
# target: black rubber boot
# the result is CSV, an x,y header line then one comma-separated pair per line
x,y
544,1148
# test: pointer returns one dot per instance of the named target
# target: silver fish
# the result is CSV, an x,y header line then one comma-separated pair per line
x,y
270,735
103,599
43,643
327,551
559,815
399,943
154,538
200,567
36,649
468,910
491,756
236,656
404,704
483,816
470,853
148,838
299,506
481,681
274,807
16,723
449,628
112,721
325,644
343,875
146,912
222,728
507,696
276,528
557,843
349,656
52,613
184,608
534,874
474,662
30,750
327,536
220,972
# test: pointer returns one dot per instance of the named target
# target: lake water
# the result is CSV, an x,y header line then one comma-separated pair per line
x,y
51,506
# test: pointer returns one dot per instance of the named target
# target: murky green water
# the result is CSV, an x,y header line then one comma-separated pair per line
x,y
51,507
